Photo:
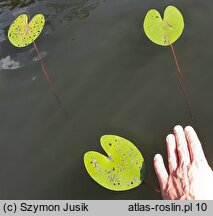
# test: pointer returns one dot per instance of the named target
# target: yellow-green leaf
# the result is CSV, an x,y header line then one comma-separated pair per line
x,y
122,169
164,31
21,33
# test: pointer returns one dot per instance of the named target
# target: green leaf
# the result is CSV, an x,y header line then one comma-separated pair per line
x,y
122,169
164,31
21,33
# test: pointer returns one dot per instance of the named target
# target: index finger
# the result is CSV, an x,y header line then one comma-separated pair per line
x,y
195,147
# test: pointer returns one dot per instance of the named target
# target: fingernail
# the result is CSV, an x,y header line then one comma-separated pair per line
x,y
168,138
188,128
177,127
157,157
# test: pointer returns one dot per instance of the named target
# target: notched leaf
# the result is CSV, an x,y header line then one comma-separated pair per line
x,y
164,31
21,33
121,169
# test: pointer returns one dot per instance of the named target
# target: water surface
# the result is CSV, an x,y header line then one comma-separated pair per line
x,y
112,80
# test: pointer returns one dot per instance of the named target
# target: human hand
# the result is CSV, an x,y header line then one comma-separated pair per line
x,y
190,177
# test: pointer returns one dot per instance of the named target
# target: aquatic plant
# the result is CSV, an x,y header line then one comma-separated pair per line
x,y
122,169
23,33
165,32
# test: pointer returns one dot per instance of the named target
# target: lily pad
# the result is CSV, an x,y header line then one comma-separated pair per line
x,y
122,169
21,33
164,31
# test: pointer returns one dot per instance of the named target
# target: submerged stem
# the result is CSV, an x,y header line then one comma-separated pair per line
x,y
182,83
184,90
49,80
150,186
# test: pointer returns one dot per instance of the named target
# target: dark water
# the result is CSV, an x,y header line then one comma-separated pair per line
x,y
112,79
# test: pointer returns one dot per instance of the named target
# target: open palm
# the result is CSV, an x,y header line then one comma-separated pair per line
x,y
190,177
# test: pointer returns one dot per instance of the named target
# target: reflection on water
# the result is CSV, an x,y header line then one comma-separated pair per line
x,y
112,80
8,63
19,59
68,10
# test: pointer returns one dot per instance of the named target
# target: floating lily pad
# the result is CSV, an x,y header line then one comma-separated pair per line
x,y
164,31
122,168
21,33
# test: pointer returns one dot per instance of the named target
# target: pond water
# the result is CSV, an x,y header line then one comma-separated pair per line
x,y
112,80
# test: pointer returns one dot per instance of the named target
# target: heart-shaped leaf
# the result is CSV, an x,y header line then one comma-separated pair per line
x,y
21,33
164,31
122,169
